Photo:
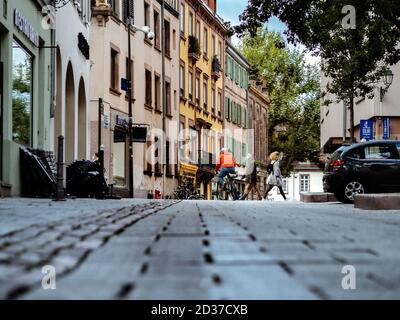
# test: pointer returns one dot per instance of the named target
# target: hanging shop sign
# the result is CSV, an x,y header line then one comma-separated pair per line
x,y
123,122
26,28
386,128
83,46
139,134
366,130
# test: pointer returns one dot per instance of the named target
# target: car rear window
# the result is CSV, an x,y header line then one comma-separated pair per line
x,y
378,152
355,153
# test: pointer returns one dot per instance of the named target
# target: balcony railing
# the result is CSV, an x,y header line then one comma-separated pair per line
x,y
216,68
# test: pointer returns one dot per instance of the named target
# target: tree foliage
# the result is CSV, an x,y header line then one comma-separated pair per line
x,y
293,89
353,58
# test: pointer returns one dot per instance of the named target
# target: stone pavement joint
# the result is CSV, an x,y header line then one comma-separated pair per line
x,y
64,244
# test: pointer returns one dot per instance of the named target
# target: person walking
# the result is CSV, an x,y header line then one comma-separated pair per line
x,y
251,178
275,176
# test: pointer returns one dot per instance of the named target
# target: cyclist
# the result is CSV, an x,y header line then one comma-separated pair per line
x,y
225,165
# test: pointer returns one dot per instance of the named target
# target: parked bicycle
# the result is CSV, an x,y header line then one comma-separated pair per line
x,y
186,191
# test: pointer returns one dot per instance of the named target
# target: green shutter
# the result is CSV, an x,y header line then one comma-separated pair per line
x,y
231,111
244,118
247,118
226,108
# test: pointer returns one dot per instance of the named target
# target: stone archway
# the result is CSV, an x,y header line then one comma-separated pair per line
x,y
82,121
58,112
69,115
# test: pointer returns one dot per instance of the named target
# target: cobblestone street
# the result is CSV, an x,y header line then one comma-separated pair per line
x,y
144,249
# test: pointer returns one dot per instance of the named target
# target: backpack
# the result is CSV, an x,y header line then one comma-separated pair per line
x,y
270,168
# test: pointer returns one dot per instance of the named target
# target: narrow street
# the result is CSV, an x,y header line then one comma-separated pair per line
x,y
145,249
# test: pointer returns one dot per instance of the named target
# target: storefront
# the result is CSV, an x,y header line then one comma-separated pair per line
x,y
25,87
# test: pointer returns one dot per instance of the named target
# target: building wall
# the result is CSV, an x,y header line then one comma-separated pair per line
x,y
332,115
73,70
145,56
41,89
198,116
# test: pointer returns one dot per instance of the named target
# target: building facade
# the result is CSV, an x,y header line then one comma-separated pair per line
x,y
202,48
385,115
25,86
237,136
72,75
258,109
109,49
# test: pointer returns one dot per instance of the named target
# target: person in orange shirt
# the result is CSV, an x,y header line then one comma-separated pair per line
x,y
225,165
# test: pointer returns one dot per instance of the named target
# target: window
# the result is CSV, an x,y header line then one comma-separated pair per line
x,y
125,14
148,93
355,153
114,7
213,46
205,42
5,8
118,158
205,93
168,169
146,14
198,89
21,95
157,92
182,139
193,145
198,30
304,183
167,38
156,29
378,152
191,85
168,97
219,104
157,166
191,31
114,76
182,80
220,51
183,19
213,100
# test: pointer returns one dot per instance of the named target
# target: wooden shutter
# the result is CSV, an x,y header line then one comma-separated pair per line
x,y
227,108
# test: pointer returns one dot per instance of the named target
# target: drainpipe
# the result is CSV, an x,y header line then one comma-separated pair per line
x,y
164,98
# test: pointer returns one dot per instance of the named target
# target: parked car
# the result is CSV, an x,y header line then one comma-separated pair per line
x,y
367,167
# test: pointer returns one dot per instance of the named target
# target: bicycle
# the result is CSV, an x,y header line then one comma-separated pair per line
x,y
229,186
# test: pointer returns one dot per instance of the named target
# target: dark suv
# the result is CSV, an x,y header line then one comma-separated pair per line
x,y
368,167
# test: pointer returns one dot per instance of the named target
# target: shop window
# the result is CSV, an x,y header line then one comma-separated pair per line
x,y
119,158
21,95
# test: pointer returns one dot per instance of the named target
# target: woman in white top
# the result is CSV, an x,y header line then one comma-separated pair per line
x,y
275,177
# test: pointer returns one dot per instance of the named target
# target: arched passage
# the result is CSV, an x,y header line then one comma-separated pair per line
x,y
58,116
69,116
82,120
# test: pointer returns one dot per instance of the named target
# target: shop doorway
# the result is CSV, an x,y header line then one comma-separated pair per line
x,y
69,116
82,120
119,158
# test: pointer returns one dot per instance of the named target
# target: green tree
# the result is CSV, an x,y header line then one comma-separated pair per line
x,y
355,54
293,89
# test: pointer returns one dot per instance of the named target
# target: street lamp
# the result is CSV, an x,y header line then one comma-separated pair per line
x,y
387,81
146,30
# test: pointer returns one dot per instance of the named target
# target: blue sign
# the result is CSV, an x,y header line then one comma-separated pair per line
x,y
124,84
386,128
106,122
366,129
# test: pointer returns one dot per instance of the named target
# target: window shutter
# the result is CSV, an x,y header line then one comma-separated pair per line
x,y
244,118
226,108
231,111
247,118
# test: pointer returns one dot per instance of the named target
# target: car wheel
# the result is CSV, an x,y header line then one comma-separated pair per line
x,y
352,188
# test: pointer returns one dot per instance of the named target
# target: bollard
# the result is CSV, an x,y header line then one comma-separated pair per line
x,y
60,193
